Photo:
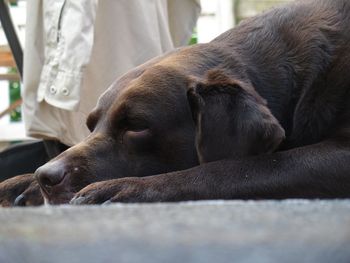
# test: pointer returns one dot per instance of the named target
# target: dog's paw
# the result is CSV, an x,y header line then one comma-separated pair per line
x,y
118,190
22,190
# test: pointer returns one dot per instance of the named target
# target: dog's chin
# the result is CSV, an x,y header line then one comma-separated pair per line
x,y
62,198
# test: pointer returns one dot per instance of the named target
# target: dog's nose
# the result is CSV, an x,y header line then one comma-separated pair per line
x,y
49,175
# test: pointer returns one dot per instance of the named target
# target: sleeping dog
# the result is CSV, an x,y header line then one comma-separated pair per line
x,y
293,62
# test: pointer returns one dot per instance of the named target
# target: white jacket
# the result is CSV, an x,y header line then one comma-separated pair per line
x,y
76,48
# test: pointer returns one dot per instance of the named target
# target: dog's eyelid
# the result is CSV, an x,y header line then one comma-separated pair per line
x,y
135,123
134,126
131,137
139,133
137,127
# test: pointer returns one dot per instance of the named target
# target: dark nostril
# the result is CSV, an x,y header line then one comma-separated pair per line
x,y
49,175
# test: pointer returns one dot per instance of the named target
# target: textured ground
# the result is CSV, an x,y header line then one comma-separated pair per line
x,y
234,231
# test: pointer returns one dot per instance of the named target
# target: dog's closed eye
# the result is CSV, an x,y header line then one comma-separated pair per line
x,y
139,140
138,134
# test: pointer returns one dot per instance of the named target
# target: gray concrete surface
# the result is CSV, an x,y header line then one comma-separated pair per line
x,y
216,231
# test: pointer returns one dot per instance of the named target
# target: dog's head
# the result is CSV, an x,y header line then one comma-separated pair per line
x,y
232,120
141,126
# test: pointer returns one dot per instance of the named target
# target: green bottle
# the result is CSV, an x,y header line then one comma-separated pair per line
x,y
15,94
194,37
15,90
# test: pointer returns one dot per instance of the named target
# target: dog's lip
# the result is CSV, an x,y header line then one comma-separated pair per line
x,y
58,197
43,189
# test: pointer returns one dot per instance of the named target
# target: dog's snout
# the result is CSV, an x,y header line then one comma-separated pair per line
x,y
50,175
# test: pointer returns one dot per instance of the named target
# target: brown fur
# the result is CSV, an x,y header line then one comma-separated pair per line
x,y
295,57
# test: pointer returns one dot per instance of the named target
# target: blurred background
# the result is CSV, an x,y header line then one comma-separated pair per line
x,y
217,16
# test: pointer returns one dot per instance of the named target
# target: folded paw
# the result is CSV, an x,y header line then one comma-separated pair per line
x,y
22,190
118,190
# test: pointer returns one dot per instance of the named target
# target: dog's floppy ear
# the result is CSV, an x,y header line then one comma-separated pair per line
x,y
258,130
237,121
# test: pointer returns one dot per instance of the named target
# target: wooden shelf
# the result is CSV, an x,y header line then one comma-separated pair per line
x,y
6,58
10,77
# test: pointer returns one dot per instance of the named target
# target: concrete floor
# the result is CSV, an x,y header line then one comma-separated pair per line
x,y
215,231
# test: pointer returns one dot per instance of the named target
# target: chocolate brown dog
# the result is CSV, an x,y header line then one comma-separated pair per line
x,y
142,142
